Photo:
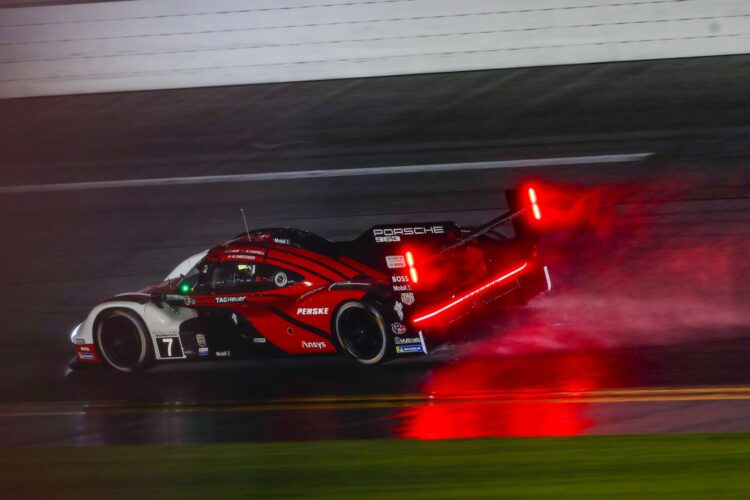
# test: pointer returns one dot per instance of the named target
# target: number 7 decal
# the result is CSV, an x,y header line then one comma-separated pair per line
x,y
169,346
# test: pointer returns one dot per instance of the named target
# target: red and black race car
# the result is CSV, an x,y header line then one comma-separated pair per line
x,y
389,292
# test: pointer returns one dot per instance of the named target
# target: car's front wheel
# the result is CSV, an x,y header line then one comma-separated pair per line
x,y
360,330
123,340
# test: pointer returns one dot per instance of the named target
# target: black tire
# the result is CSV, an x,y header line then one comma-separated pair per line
x,y
123,341
360,330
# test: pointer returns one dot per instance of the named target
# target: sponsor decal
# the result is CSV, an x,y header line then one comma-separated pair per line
x,y
407,299
394,234
80,341
259,340
87,352
223,354
282,241
398,328
241,256
400,279
402,340
200,339
399,308
246,250
227,300
395,261
203,351
311,311
314,345
401,288
403,349
408,231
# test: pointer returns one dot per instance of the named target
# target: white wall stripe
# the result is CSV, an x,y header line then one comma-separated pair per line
x,y
322,174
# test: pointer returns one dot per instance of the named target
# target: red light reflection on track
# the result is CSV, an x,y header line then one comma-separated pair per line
x,y
474,420
516,397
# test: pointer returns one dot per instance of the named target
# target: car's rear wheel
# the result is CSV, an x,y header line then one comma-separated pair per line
x,y
360,330
123,340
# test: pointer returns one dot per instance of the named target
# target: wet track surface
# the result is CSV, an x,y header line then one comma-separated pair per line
x,y
633,390
646,329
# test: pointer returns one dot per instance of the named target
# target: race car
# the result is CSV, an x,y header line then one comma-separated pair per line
x,y
392,291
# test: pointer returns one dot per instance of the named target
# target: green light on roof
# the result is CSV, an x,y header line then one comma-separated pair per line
x,y
184,288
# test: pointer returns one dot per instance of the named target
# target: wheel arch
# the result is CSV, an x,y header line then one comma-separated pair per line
x,y
85,332
154,317
120,307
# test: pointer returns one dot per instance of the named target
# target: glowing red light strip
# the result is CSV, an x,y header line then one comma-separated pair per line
x,y
536,211
412,270
413,274
534,204
471,294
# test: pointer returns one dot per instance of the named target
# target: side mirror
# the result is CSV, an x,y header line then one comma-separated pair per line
x,y
159,299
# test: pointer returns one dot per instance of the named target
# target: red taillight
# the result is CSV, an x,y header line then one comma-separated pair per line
x,y
534,204
413,274
537,213
412,270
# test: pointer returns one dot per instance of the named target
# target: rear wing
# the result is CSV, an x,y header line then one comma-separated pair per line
x,y
523,211
380,246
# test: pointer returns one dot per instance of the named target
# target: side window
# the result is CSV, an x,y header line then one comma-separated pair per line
x,y
248,277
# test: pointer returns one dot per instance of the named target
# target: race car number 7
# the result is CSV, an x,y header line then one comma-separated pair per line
x,y
168,348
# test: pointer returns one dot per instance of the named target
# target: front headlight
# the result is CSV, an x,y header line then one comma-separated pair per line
x,y
74,333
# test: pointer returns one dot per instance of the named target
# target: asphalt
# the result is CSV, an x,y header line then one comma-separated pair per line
x,y
648,258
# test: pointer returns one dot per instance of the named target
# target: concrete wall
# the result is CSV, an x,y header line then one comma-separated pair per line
x,y
155,44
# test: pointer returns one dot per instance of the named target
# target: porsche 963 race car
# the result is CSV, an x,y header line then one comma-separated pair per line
x,y
286,291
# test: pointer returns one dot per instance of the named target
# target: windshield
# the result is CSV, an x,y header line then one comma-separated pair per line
x,y
185,266
190,280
